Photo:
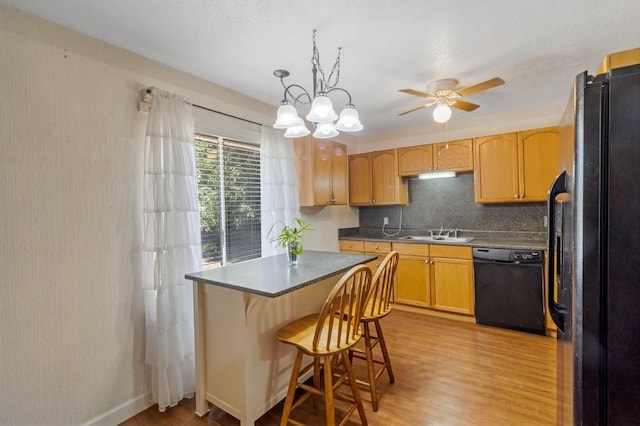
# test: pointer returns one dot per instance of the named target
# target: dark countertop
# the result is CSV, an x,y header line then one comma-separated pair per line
x,y
273,276
514,240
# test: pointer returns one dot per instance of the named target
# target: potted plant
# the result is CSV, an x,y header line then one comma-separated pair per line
x,y
290,237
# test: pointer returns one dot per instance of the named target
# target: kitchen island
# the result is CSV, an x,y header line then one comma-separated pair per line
x,y
240,365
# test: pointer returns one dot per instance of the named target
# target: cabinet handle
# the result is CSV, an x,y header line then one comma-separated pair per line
x,y
373,201
516,196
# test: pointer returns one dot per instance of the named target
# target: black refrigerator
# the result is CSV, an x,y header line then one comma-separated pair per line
x,y
594,251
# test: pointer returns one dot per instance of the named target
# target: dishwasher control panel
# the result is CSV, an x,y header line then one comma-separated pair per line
x,y
507,255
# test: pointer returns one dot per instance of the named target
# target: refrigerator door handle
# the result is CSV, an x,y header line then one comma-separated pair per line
x,y
556,310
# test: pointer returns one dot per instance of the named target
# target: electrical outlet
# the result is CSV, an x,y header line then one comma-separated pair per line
x,y
385,220
544,219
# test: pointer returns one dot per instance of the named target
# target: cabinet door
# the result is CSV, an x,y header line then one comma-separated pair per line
x,y
452,285
455,156
388,188
304,167
415,160
496,168
322,152
360,179
339,174
538,152
413,281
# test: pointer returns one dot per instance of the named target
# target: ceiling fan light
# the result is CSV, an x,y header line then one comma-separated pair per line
x,y
287,116
349,120
325,131
297,131
442,113
322,110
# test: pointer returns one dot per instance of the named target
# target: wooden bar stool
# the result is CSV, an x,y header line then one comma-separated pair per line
x,y
378,306
326,335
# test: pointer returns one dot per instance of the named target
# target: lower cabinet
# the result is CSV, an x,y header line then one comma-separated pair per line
x,y
380,249
435,276
438,277
413,285
452,279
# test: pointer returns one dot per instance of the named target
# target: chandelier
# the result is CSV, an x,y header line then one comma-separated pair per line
x,y
321,113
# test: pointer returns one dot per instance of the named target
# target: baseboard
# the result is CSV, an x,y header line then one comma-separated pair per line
x,y
122,412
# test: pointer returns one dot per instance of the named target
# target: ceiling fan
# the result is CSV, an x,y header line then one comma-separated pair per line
x,y
445,95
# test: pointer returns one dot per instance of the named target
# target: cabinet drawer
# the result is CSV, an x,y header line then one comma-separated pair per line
x,y
352,246
457,252
412,249
376,247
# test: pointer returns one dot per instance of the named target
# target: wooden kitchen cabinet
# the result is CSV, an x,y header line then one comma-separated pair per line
x,y
414,160
538,151
413,284
374,179
322,172
452,279
454,156
515,167
380,249
445,156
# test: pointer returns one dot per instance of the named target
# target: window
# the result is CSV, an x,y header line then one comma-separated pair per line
x,y
229,197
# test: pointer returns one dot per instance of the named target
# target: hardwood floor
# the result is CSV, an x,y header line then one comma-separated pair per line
x,y
447,373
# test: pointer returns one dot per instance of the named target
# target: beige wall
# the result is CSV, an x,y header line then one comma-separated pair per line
x,y
71,151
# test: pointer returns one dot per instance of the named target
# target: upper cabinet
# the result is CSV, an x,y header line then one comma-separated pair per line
x,y
322,171
455,156
445,156
515,167
374,179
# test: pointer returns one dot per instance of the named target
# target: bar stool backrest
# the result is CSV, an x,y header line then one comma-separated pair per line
x,y
381,294
338,323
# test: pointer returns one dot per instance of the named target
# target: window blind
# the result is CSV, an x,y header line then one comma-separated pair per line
x,y
229,196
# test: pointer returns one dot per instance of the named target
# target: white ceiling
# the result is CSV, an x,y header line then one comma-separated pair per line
x,y
537,47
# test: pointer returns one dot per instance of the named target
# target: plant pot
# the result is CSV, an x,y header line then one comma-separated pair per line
x,y
294,252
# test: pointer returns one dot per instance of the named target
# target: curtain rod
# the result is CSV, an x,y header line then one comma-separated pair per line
x,y
148,91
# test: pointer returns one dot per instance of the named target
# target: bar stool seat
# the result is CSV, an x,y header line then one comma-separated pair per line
x,y
327,337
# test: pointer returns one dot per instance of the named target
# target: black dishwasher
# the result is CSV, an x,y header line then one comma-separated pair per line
x,y
509,289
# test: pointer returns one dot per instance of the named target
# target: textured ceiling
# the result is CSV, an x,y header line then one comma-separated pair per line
x,y
537,47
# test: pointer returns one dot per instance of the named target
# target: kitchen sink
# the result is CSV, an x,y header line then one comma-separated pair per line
x,y
437,238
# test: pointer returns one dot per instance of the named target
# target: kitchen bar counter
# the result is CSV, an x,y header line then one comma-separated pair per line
x,y
240,365
273,276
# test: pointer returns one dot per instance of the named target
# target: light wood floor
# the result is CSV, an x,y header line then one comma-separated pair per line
x,y
447,373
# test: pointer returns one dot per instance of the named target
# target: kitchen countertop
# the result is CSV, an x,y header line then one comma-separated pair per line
x,y
488,239
273,276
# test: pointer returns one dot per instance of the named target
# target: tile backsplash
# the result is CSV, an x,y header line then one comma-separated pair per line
x,y
449,202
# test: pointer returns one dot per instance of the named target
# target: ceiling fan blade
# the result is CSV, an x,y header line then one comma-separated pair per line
x,y
465,106
416,93
413,109
485,85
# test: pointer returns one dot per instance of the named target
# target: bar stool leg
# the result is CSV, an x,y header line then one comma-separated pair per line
x,y
316,379
328,392
370,366
385,353
293,382
354,387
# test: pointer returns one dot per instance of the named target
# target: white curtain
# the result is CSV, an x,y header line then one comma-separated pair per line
x,y
171,248
279,186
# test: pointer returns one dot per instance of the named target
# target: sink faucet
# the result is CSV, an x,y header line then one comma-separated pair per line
x,y
441,228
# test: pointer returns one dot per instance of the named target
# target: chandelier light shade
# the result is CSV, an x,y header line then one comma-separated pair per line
x,y
321,113
349,120
297,131
287,116
322,110
442,112
325,131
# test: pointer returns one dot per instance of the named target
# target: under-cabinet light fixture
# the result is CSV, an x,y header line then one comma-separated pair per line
x,y
437,175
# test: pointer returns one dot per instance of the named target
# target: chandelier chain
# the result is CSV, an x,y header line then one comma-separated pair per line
x,y
326,83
